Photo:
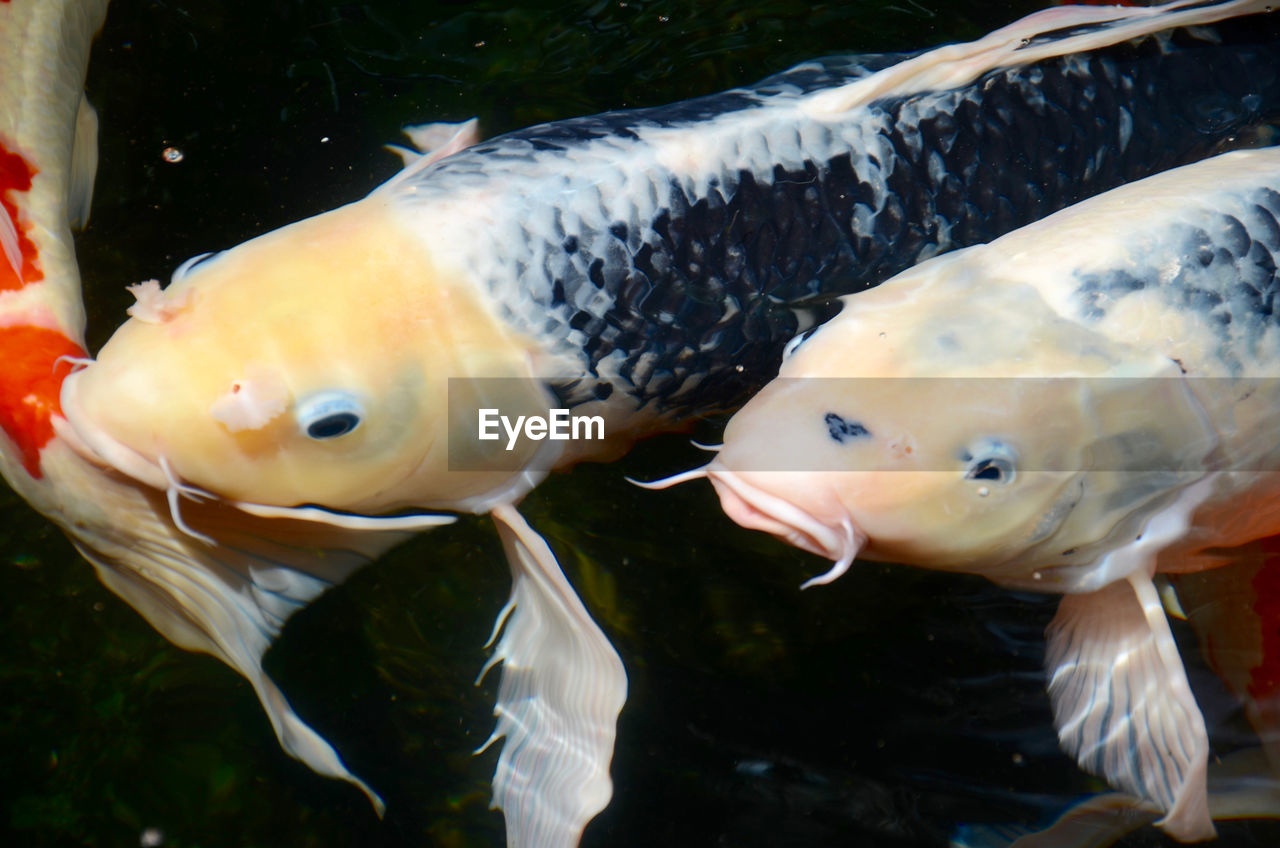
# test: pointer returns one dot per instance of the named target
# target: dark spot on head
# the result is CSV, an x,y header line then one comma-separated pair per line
x,y
841,429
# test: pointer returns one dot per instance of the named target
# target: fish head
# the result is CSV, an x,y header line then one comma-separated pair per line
x,y
950,422
311,365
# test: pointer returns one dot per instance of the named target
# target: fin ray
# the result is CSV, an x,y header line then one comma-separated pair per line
x,y
562,688
231,599
1122,703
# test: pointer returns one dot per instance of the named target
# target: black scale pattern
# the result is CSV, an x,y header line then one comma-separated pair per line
x,y
1226,272
709,291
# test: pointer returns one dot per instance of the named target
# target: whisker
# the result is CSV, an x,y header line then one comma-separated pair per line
x,y
174,493
852,546
711,448
673,480
188,491
346,520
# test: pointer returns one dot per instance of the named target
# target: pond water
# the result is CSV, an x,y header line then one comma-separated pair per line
x,y
890,708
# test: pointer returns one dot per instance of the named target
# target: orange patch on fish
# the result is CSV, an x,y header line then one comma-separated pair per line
x,y
30,384
15,175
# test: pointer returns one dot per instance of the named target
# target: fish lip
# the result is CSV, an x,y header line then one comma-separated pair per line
x,y
95,445
755,509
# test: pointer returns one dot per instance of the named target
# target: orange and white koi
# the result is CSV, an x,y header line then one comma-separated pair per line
x,y
229,600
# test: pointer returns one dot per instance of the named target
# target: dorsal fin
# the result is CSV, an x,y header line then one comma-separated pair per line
x,y
1043,35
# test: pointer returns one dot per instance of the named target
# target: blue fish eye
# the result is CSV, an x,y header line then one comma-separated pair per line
x,y
329,415
991,462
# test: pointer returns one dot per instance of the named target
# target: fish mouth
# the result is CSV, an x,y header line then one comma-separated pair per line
x,y
96,445
753,508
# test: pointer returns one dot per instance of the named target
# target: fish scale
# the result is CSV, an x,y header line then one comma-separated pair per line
x,y
1218,260
694,278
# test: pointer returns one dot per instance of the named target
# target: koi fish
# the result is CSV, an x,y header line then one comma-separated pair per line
x,y
1058,418
609,260
636,267
229,600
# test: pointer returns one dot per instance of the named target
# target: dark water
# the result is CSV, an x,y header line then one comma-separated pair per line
x,y
885,710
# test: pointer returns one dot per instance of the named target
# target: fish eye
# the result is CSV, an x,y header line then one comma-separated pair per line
x,y
991,462
329,415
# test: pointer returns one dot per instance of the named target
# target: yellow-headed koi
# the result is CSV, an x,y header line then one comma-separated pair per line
x,y
228,600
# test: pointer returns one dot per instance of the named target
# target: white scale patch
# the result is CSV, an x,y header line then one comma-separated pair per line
x,y
589,186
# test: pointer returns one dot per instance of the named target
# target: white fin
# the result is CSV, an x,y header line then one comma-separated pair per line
x,y
232,598
433,142
84,165
1122,704
1028,40
562,688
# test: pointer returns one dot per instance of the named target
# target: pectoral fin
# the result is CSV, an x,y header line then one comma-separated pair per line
x,y
230,599
1122,704
562,688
